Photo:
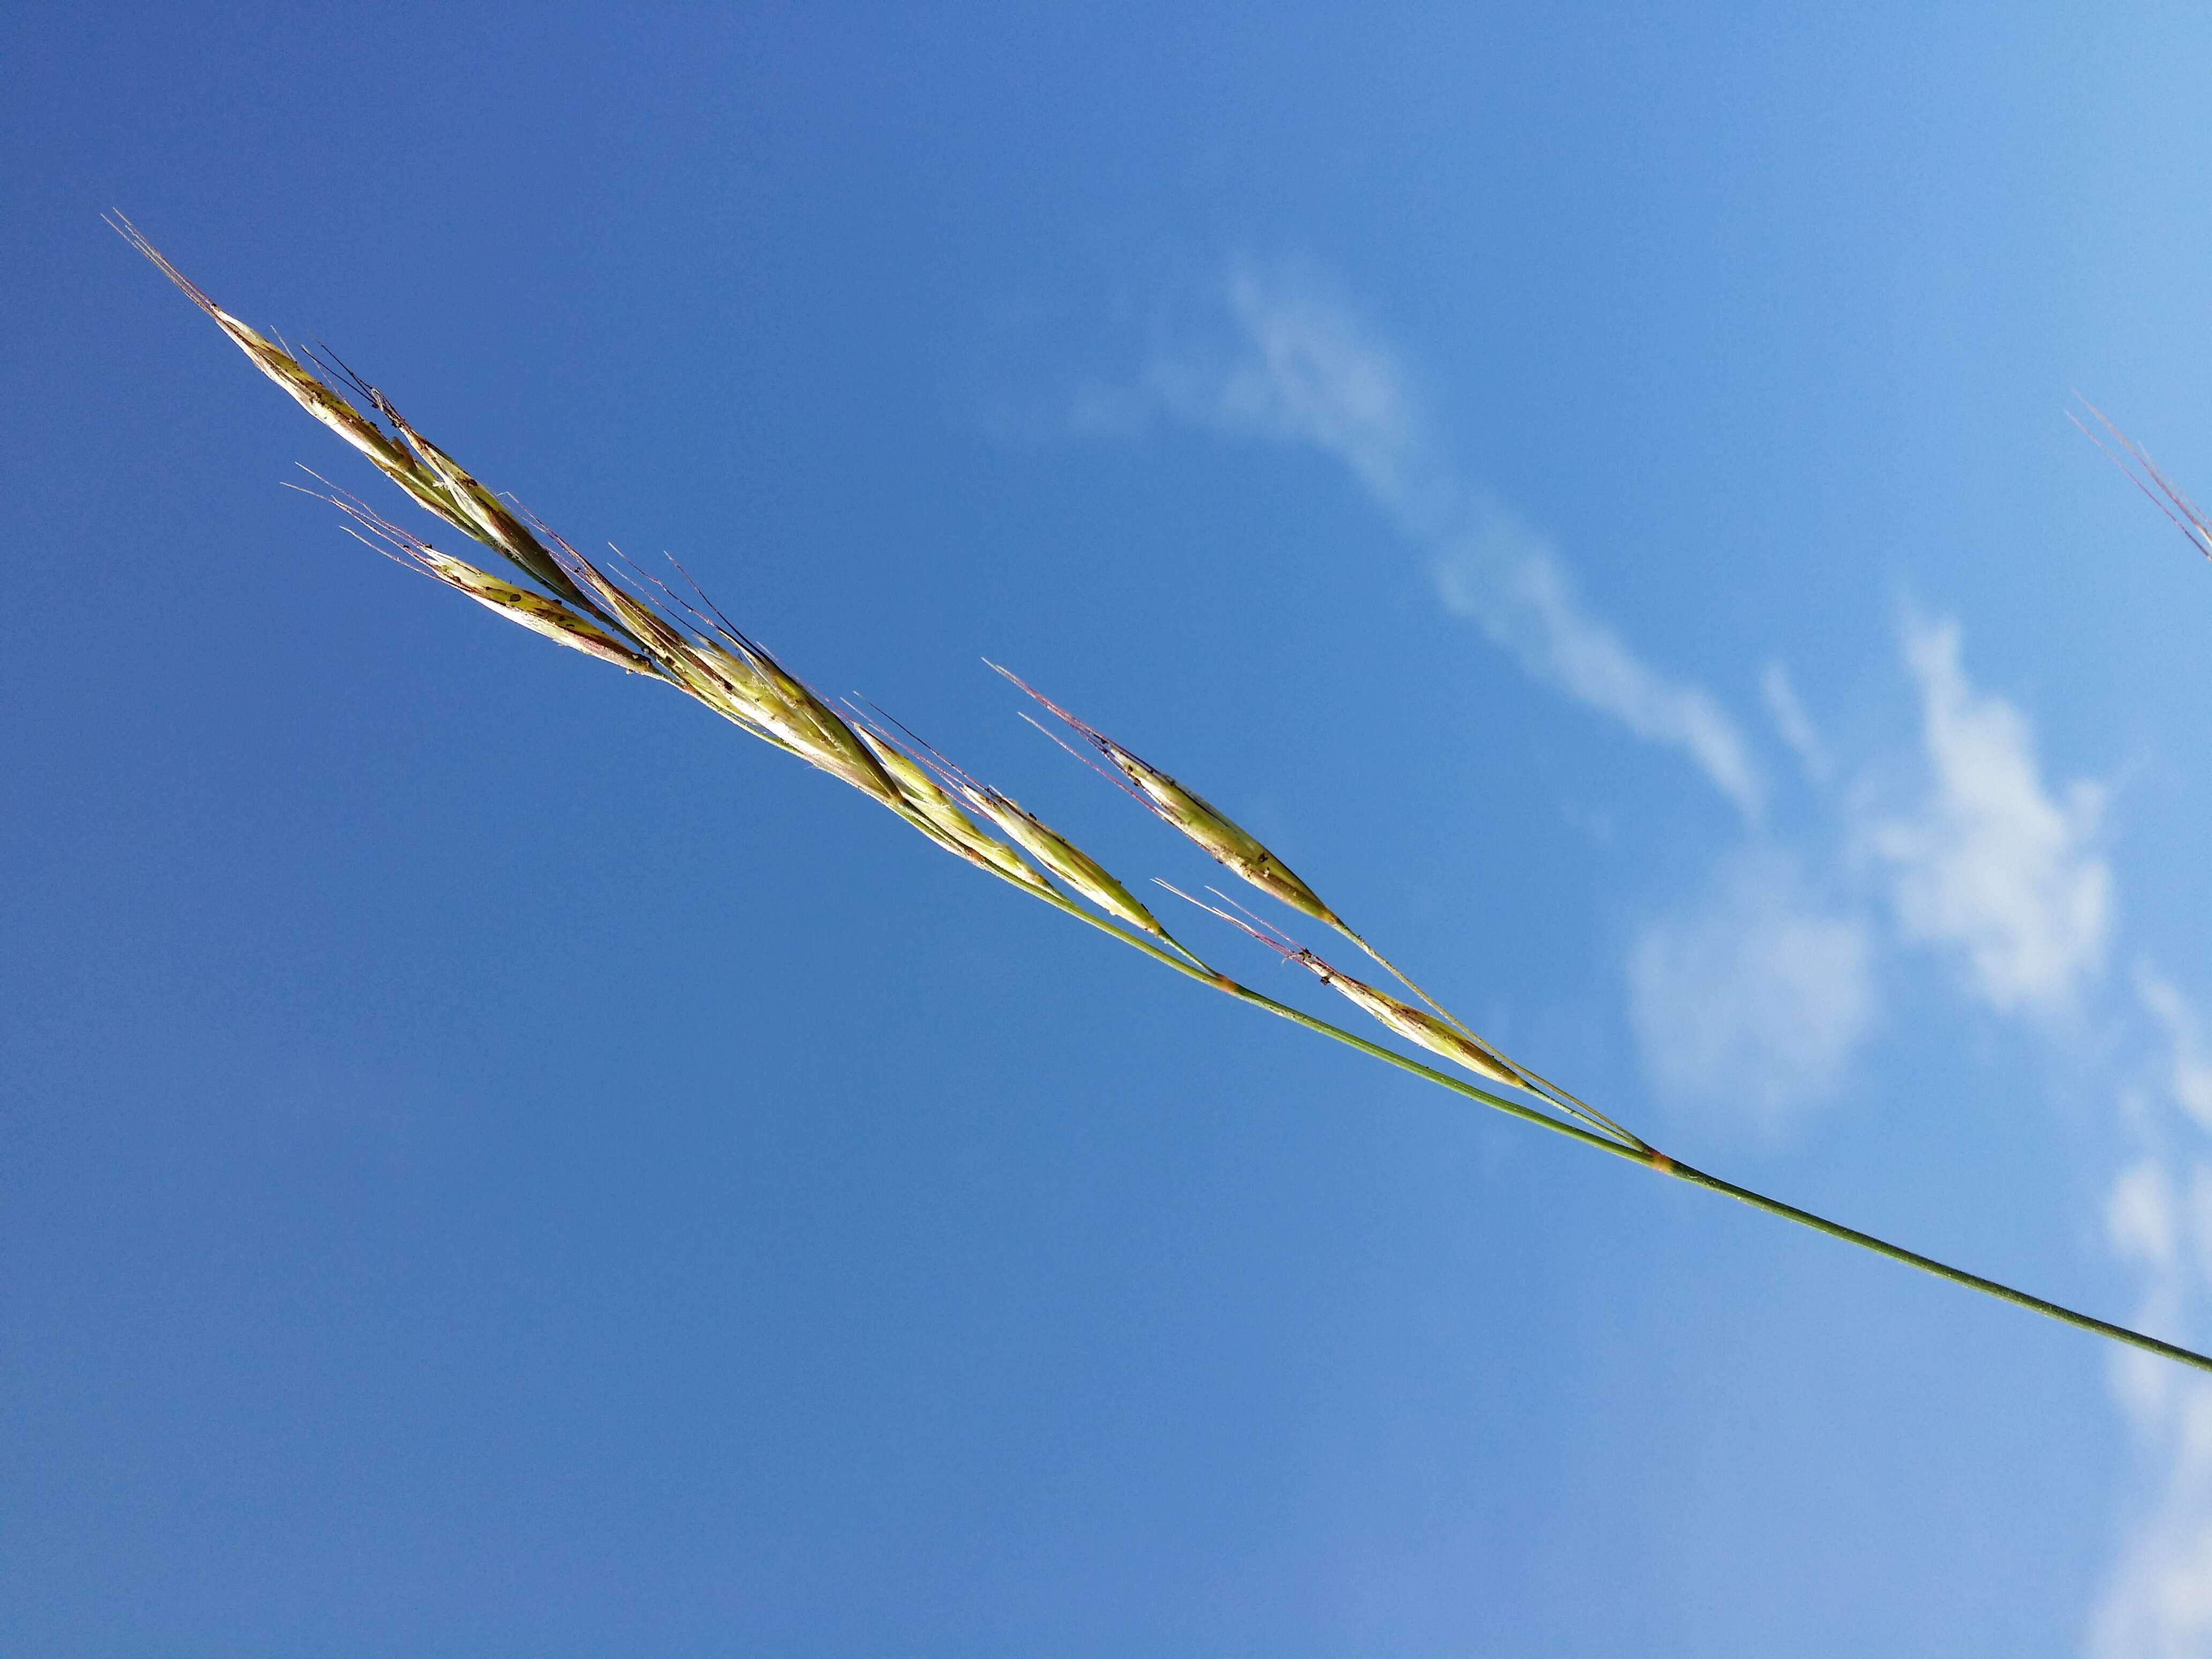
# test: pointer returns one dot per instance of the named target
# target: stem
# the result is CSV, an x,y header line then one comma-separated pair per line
x,y
1229,987
1650,1157
1929,1265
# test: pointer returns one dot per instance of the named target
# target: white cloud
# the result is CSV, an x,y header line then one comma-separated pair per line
x,y
1795,725
1753,1003
2189,1074
1752,1006
1511,583
2157,1603
1313,374
2139,1215
1991,865
1302,370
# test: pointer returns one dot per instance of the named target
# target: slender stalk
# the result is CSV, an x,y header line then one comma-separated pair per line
x,y
1229,987
1650,1157
1942,1270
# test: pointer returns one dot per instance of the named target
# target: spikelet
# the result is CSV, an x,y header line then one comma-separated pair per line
x,y
1223,839
728,685
1059,856
931,811
829,742
534,611
477,512
422,469
327,405
1418,1024
742,682
555,620
1063,859
1439,1037
776,697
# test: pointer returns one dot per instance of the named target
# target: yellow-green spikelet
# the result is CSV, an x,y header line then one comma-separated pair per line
x,y
1221,837
478,512
533,610
748,687
429,474
1226,841
932,812
1418,1024
1063,858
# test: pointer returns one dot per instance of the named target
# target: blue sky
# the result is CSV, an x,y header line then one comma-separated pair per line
x,y
498,1162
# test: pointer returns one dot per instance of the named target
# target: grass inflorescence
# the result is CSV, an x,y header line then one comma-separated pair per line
x,y
618,614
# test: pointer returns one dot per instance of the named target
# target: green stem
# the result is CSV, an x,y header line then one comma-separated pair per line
x,y
1229,987
1942,1270
1650,1159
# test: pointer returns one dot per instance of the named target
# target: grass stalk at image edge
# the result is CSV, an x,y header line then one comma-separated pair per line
x,y
622,616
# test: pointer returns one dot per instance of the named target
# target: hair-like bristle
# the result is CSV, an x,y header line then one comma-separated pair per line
x,y
2159,490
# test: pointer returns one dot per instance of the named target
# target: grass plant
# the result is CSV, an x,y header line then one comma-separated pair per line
x,y
670,632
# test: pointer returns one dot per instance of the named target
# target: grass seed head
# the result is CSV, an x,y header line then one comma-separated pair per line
x,y
1417,1025
534,611
324,402
418,466
1221,837
1063,858
932,811
744,684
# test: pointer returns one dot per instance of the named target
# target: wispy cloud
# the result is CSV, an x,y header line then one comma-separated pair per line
x,y
1297,367
1751,1001
1749,1005
1755,999
1990,865
1754,991
1509,582
1795,725
2188,1069
2157,1603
